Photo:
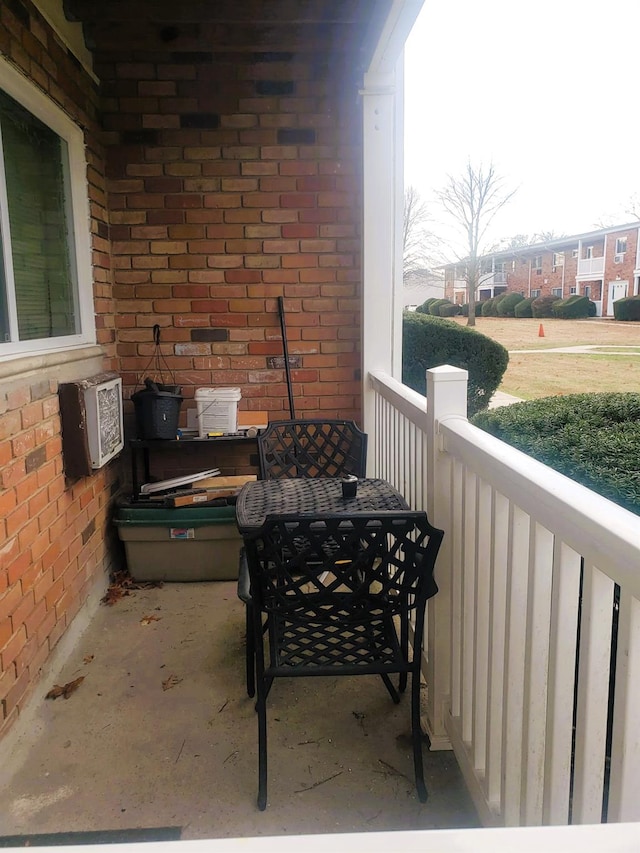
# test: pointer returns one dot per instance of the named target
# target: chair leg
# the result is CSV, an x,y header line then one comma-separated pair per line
x,y
261,707
250,652
389,685
404,645
416,737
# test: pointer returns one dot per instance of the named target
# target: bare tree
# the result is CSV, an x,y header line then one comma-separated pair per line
x,y
547,236
470,203
632,207
416,237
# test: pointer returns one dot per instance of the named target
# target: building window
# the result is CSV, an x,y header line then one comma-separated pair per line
x,y
588,252
621,248
621,245
535,294
537,262
587,290
44,239
574,253
558,260
556,291
573,290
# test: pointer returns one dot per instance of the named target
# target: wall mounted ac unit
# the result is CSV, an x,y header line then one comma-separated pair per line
x,y
618,259
92,425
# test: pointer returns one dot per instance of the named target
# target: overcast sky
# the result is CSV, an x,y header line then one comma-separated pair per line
x,y
547,90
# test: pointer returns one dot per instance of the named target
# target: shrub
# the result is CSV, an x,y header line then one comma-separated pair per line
x,y
627,308
571,308
464,310
541,307
593,310
487,307
430,342
592,438
523,309
506,307
449,310
434,308
424,308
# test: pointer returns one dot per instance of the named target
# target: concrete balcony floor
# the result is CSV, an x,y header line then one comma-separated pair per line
x,y
124,753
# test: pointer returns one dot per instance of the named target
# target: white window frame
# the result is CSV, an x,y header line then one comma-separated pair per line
x,y
558,260
535,293
621,250
574,253
588,253
536,263
556,291
40,106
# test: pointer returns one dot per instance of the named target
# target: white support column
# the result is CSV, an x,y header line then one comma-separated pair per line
x,y
447,398
383,190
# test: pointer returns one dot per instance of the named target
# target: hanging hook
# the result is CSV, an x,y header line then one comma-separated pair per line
x,y
156,335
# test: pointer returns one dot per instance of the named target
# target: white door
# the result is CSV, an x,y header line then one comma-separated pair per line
x,y
617,290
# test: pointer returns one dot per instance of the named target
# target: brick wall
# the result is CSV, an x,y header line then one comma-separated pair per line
x,y
54,534
234,179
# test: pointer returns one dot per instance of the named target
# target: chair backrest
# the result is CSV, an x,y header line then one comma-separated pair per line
x,y
312,448
373,561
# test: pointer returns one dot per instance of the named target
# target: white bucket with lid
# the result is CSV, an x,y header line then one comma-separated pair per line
x,y
217,410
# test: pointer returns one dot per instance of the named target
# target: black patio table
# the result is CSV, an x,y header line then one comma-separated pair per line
x,y
308,496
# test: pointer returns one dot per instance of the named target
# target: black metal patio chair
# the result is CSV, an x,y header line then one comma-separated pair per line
x,y
303,448
312,448
325,591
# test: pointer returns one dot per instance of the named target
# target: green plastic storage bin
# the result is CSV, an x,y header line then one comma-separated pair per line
x,y
192,543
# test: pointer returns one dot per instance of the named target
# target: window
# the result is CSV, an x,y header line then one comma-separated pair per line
x,y
588,252
45,273
536,264
621,248
587,290
574,253
573,290
535,294
558,260
556,291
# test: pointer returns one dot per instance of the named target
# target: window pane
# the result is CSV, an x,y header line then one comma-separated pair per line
x,y
34,160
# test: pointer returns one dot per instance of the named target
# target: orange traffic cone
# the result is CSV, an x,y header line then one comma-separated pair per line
x,y
541,331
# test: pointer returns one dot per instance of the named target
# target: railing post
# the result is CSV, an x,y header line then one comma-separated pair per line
x,y
446,398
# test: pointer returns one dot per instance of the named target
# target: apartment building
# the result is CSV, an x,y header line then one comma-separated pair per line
x,y
603,265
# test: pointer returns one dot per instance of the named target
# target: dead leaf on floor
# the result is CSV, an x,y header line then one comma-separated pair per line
x,y
122,584
146,620
88,658
66,690
170,682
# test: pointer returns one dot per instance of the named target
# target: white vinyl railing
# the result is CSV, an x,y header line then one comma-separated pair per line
x,y
399,451
590,266
533,647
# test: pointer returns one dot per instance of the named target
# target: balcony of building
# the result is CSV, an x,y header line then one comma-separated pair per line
x,y
590,268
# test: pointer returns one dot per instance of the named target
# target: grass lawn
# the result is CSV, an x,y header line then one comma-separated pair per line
x,y
540,374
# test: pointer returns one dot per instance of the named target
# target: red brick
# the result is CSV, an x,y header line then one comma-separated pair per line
x,y
13,647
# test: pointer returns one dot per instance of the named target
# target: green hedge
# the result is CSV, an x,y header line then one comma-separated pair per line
x,y
627,308
506,306
488,307
571,308
523,309
424,308
434,308
542,306
592,438
449,310
431,342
